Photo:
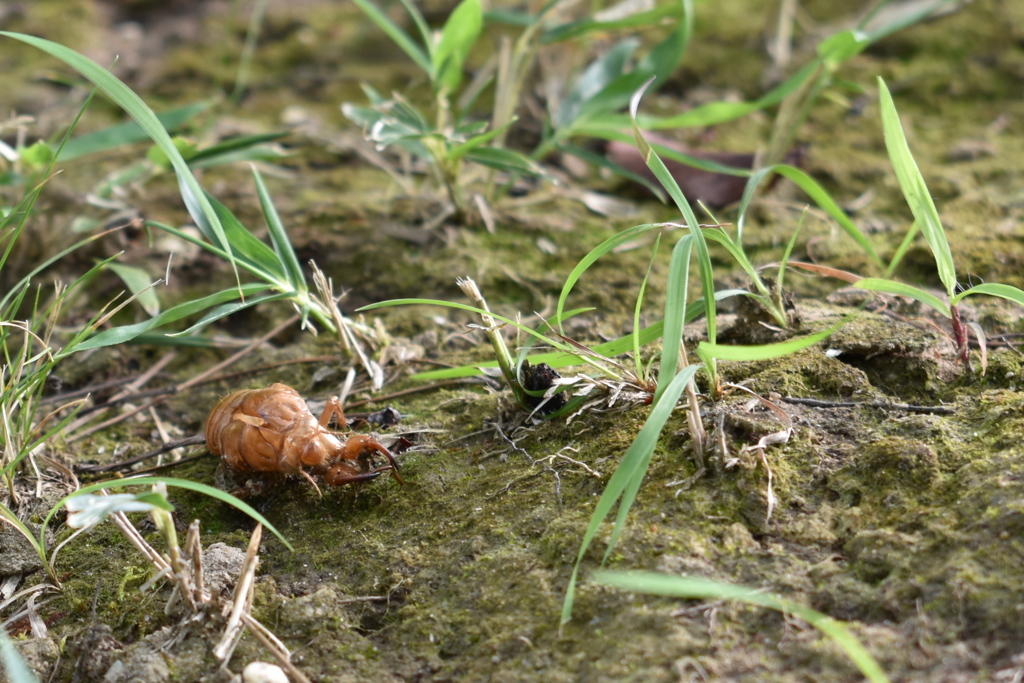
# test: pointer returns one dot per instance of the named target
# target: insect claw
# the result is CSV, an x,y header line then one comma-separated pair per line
x,y
394,471
338,479
373,444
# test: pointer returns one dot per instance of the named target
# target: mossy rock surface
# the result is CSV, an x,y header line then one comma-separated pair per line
x,y
899,495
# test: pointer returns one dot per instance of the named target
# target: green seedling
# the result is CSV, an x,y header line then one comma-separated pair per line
x,y
26,166
25,340
696,232
452,138
646,336
199,207
446,147
567,352
447,139
926,218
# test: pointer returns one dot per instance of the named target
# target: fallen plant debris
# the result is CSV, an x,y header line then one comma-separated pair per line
x,y
883,405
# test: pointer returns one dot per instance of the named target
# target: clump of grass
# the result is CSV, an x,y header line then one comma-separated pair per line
x,y
450,136
30,351
927,220
675,374
279,275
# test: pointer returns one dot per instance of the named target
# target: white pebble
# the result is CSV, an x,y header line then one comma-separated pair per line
x,y
261,672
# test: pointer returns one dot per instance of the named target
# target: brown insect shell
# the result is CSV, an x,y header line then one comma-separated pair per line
x,y
269,430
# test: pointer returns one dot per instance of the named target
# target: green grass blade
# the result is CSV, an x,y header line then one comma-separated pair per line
x,y
595,159
205,489
396,34
620,86
704,267
225,150
27,280
158,339
279,237
228,309
708,351
735,250
914,189
54,427
709,114
198,206
138,282
20,213
873,284
617,134
594,79
127,133
675,309
841,46
421,24
14,666
563,347
524,18
901,21
459,151
637,308
120,335
818,195
523,351
662,174
457,38
8,516
664,57
579,28
507,160
23,210
252,153
625,481
271,278
780,281
591,258
707,589
901,250
464,307
993,289
258,258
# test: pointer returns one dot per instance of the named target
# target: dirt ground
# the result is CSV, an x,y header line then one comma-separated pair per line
x,y
900,496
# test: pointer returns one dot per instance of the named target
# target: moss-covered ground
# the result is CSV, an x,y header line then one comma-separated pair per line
x,y
905,523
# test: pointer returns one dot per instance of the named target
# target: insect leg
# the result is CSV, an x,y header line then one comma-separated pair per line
x,y
332,408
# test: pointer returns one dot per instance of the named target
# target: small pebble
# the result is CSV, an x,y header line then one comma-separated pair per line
x,y
261,672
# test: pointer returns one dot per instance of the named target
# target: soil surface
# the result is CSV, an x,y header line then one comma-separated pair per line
x,y
898,500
